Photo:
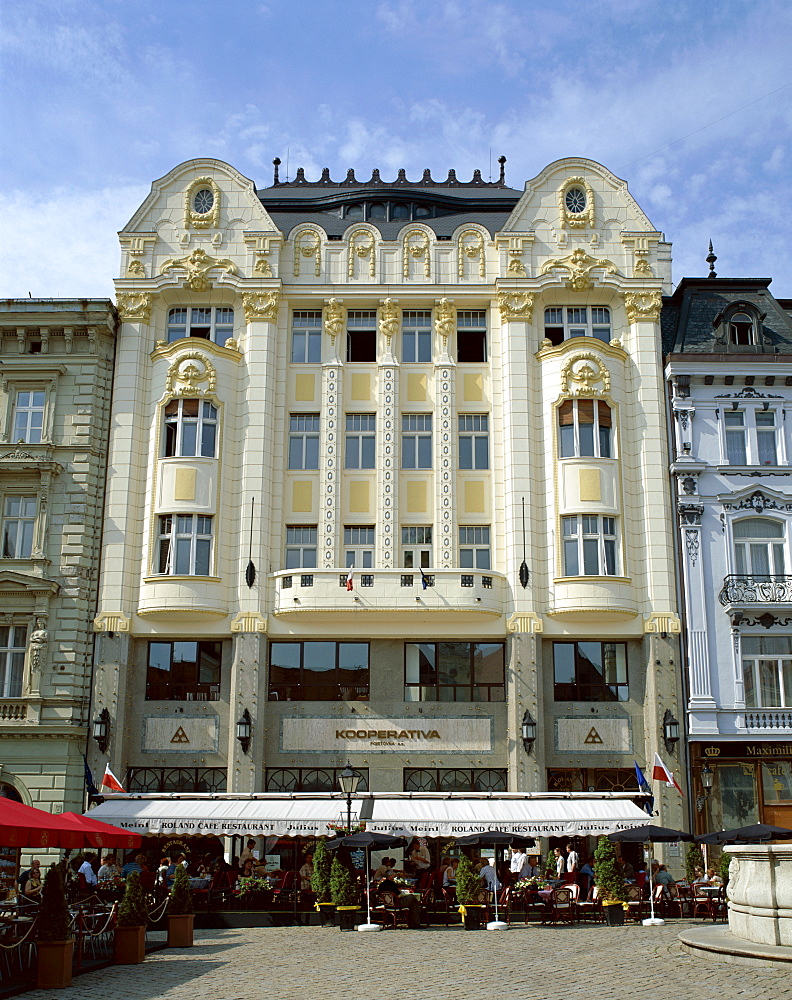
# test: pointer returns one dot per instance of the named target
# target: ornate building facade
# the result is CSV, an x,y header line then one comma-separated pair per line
x,y
729,372
56,374
385,487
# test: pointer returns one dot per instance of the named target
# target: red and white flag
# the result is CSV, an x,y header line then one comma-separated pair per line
x,y
661,773
110,782
349,584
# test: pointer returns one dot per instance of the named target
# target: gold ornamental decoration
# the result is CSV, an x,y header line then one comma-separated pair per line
x,y
445,319
188,373
516,305
305,247
643,306
202,220
334,316
471,245
198,264
134,307
576,220
361,244
579,264
416,245
581,375
389,315
261,305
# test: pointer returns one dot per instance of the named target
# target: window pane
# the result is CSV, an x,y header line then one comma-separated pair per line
x,y
482,452
319,671
571,565
466,452
454,663
488,663
590,556
564,662
769,686
424,453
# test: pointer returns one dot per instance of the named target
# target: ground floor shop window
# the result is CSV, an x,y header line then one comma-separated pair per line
x,y
310,779
591,779
176,779
319,671
454,671
454,779
183,671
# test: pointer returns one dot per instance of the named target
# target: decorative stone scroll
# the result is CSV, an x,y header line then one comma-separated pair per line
x,y
526,621
581,375
643,306
111,621
198,264
662,621
134,307
261,305
249,621
516,305
579,265
187,374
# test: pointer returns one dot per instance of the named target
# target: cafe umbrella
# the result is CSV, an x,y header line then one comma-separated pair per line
x,y
756,834
366,840
656,835
495,838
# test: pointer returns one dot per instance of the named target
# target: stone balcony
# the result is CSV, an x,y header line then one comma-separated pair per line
x,y
752,592
13,711
389,593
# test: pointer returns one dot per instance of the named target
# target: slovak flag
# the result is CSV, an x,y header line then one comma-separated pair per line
x,y
110,782
661,773
349,584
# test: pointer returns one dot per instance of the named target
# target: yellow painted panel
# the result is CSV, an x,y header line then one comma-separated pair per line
x,y
416,388
416,498
359,497
474,497
302,496
473,388
361,386
305,388
184,485
590,486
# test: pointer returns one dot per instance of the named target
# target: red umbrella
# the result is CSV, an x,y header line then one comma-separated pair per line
x,y
23,826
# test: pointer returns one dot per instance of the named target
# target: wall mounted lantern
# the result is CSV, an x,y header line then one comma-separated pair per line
x,y
528,732
670,731
100,728
244,730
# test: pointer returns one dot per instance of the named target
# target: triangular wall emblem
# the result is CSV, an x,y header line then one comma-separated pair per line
x,y
593,737
181,737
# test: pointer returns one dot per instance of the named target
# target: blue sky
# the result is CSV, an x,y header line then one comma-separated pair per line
x,y
100,97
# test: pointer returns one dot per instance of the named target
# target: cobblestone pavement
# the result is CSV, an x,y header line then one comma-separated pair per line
x,y
530,963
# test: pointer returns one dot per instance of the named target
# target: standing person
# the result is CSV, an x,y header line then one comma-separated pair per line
x,y
86,869
306,872
32,887
560,862
572,863
489,876
518,864
419,858
247,853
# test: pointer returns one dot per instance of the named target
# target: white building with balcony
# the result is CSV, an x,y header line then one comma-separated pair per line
x,y
384,481
728,345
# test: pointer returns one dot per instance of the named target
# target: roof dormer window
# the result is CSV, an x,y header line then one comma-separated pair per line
x,y
741,329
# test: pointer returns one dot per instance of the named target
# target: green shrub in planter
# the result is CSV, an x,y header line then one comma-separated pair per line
x,y
468,881
133,911
608,875
343,891
723,866
320,879
181,897
53,920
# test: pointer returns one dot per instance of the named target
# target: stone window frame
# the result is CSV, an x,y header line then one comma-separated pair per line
x,y
18,379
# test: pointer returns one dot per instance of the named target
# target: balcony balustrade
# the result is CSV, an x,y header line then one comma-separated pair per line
x,y
741,589
305,591
765,719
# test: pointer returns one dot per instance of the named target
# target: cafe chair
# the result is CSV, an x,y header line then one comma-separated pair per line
x,y
591,907
560,907
635,903
388,909
719,907
701,903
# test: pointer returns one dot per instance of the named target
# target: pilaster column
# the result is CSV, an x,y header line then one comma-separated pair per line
x,y
330,462
246,770
695,601
387,440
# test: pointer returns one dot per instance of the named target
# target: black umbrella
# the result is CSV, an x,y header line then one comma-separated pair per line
x,y
655,834
494,838
367,840
755,834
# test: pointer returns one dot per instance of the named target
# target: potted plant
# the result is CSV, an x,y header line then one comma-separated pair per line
x,y
181,910
609,879
130,934
344,895
54,941
468,885
254,891
320,882
723,868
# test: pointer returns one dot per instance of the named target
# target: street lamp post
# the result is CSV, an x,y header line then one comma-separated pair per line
x,y
349,779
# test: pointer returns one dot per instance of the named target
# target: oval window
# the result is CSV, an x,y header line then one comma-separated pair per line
x,y
203,201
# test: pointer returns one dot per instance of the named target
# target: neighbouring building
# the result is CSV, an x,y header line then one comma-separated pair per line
x,y
386,485
728,345
56,375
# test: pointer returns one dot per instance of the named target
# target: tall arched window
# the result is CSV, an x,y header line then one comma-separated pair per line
x,y
584,428
758,547
741,329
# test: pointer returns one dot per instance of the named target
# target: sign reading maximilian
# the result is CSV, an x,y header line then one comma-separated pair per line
x,y
447,735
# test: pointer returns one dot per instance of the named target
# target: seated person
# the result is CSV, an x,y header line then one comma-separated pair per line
x,y
531,869
661,876
385,869
109,869
450,873
247,868
408,902
488,875
713,877
627,870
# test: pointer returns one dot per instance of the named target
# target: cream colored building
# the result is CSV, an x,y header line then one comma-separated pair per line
x,y
56,373
429,384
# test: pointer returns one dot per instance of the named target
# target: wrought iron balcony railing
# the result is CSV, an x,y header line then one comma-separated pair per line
x,y
761,589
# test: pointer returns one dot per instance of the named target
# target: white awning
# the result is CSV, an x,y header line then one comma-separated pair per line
x,y
532,817
410,814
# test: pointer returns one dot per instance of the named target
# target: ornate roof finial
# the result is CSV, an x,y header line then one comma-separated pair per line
x,y
711,258
502,161
276,163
